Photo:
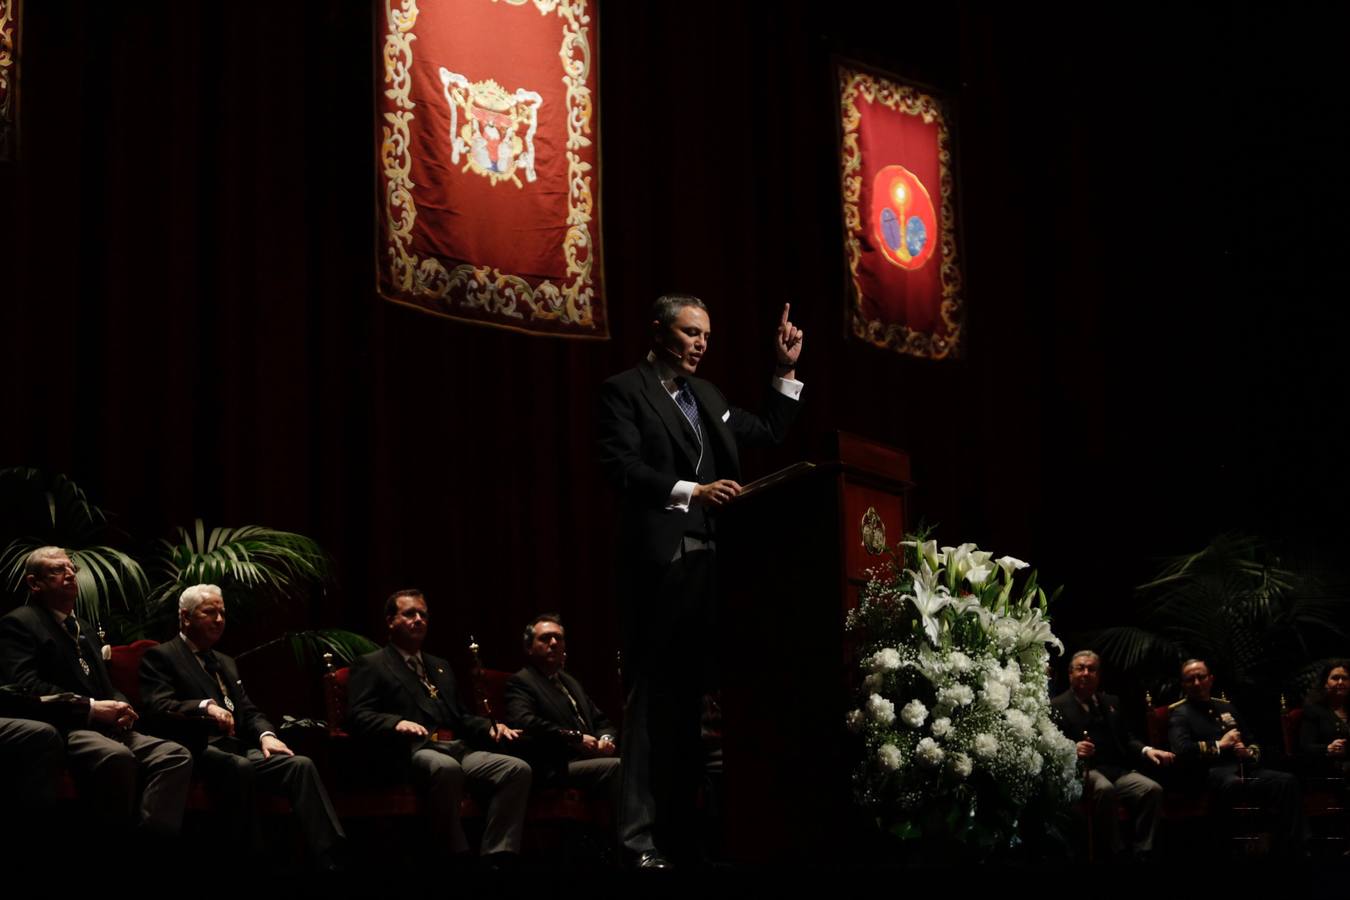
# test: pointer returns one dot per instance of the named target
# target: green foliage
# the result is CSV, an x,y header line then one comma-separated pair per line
x,y
42,510
253,564
1232,604
310,646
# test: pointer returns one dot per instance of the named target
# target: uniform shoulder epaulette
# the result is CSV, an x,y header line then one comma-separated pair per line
x,y
1178,703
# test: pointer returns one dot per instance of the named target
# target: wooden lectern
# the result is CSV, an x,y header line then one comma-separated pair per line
x,y
792,556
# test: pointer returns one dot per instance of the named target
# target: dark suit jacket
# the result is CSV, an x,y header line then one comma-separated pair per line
x,y
646,445
382,691
536,706
37,654
1320,726
174,683
1121,752
1194,729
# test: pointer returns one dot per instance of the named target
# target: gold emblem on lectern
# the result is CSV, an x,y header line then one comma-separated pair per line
x,y
873,532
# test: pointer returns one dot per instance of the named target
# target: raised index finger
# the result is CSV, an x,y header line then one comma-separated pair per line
x,y
782,323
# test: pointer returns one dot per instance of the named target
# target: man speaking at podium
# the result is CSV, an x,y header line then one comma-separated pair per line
x,y
668,443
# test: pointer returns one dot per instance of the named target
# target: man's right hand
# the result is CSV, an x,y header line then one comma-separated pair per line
x,y
112,712
410,728
717,493
1086,749
1231,738
224,718
1336,747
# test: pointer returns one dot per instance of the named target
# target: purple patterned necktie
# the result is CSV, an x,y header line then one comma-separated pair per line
x,y
684,398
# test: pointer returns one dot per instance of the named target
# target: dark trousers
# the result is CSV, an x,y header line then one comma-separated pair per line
x,y
235,778
669,663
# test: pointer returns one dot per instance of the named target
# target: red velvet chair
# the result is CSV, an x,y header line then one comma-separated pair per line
x,y
124,668
547,805
1323,795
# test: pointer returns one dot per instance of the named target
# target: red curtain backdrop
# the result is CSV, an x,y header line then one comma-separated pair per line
x,y
899,216
487,132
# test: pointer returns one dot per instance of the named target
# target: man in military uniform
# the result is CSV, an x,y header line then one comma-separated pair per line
x,y
1209,737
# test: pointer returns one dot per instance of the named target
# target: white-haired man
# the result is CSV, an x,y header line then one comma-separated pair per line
x,y
46,649
186,676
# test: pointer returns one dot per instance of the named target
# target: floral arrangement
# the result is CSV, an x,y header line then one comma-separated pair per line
x,y
954,711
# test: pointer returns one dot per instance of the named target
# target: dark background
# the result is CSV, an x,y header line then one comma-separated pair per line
x,y
1151,210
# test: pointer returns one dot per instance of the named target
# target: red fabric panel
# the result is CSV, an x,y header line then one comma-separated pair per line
x,y
488,166
899,210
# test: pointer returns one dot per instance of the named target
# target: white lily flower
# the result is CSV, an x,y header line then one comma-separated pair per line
x,y
1033,629
928,552
929,598
979,574
958,560
1010,564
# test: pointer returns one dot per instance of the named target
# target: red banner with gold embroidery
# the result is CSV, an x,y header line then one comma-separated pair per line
x,y
488,163
9,32
899,217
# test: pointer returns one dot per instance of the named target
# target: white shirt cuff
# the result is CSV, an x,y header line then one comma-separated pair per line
x,y
788,387
681,495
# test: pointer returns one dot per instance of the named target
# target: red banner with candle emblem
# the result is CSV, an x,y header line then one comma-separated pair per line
x,y
488,163
899,217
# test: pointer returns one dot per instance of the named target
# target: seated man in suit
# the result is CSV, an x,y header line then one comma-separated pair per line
x,y
404,694
46,649
569,739
185,676
1210,738
1110,757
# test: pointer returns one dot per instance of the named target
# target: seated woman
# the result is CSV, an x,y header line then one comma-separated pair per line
x,y
1324,733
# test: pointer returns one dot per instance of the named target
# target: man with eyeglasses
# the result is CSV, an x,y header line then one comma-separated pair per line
x,y
1111,759
46,649
569,740
403,696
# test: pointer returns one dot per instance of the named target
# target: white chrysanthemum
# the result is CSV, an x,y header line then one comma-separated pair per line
x,y
995,695
854,720
873,682
961,765
881,709
1011,674
959,662
941,727
1006,633
954,695
928,753
1019,723
985,745
886,659
889,757
914,714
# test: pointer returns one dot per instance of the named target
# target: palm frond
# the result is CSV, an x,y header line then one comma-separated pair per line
x,y
250,563
310,646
